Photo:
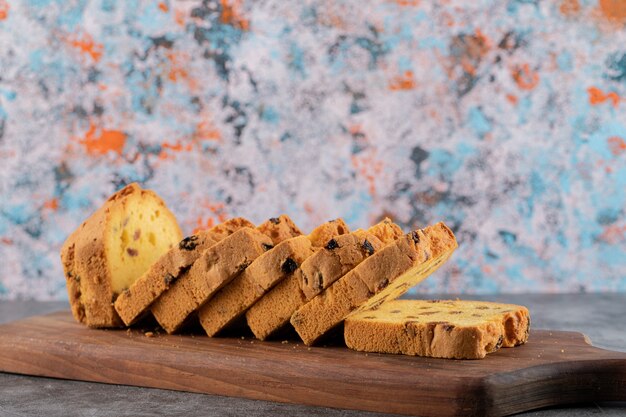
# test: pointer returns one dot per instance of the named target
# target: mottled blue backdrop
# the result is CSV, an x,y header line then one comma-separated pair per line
x,y
506,119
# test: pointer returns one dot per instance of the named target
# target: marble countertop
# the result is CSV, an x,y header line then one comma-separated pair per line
x,y
599,316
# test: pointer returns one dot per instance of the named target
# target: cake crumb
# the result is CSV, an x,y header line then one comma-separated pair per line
x,y
149,334
284,342
562,350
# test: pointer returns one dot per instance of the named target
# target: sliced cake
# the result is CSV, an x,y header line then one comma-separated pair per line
x,y
265,272
384,276
136,300
438,328
112,249
216,267
339,255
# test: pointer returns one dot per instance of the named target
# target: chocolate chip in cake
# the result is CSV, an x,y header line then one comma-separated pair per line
x,y
476,315
188,243
267,247
332,244
498,344
168,279
289,266
382,284
369,317
455,312
242,266
132,252
367,246
395,311
137,234
275,220
415,236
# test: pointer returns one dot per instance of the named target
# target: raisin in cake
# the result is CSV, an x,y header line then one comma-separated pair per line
x,y
438,328
339,255
114,247
384,276
266,271
136,300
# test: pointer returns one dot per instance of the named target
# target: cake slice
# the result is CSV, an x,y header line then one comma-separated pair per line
x,y
382,277
339,255
112,248
216,266
136,300
268,269
437,328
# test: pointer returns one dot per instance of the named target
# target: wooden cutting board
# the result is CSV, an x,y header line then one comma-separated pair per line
x,y
552,368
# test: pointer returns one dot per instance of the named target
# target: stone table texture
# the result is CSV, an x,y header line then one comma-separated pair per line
x,y
600,316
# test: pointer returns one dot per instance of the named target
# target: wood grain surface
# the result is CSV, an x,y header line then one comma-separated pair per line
x,y
553,368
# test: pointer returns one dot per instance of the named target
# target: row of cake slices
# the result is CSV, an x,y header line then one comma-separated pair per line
x,y
275,275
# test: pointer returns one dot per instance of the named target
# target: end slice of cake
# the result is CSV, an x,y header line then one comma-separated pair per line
x,y
438,328
112,249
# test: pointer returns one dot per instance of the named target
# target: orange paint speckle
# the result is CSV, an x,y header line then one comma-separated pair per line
x,y
219,212
179,17
176,147
4,9
524,77
231,14
403,82
369,168
86,45
206,131
613,234
308,208
613,10
6,240
202,225
569,7
163,7
597,96
512,99
101,141
616,145
52,204
407,3
177,71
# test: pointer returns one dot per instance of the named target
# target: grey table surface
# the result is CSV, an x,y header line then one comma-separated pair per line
x,y
599,316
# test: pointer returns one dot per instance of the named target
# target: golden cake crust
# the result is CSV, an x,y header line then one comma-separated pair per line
x,y
384,276
134,302
438,328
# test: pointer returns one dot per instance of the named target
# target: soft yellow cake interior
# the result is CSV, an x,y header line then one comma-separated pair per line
x,y
138,232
